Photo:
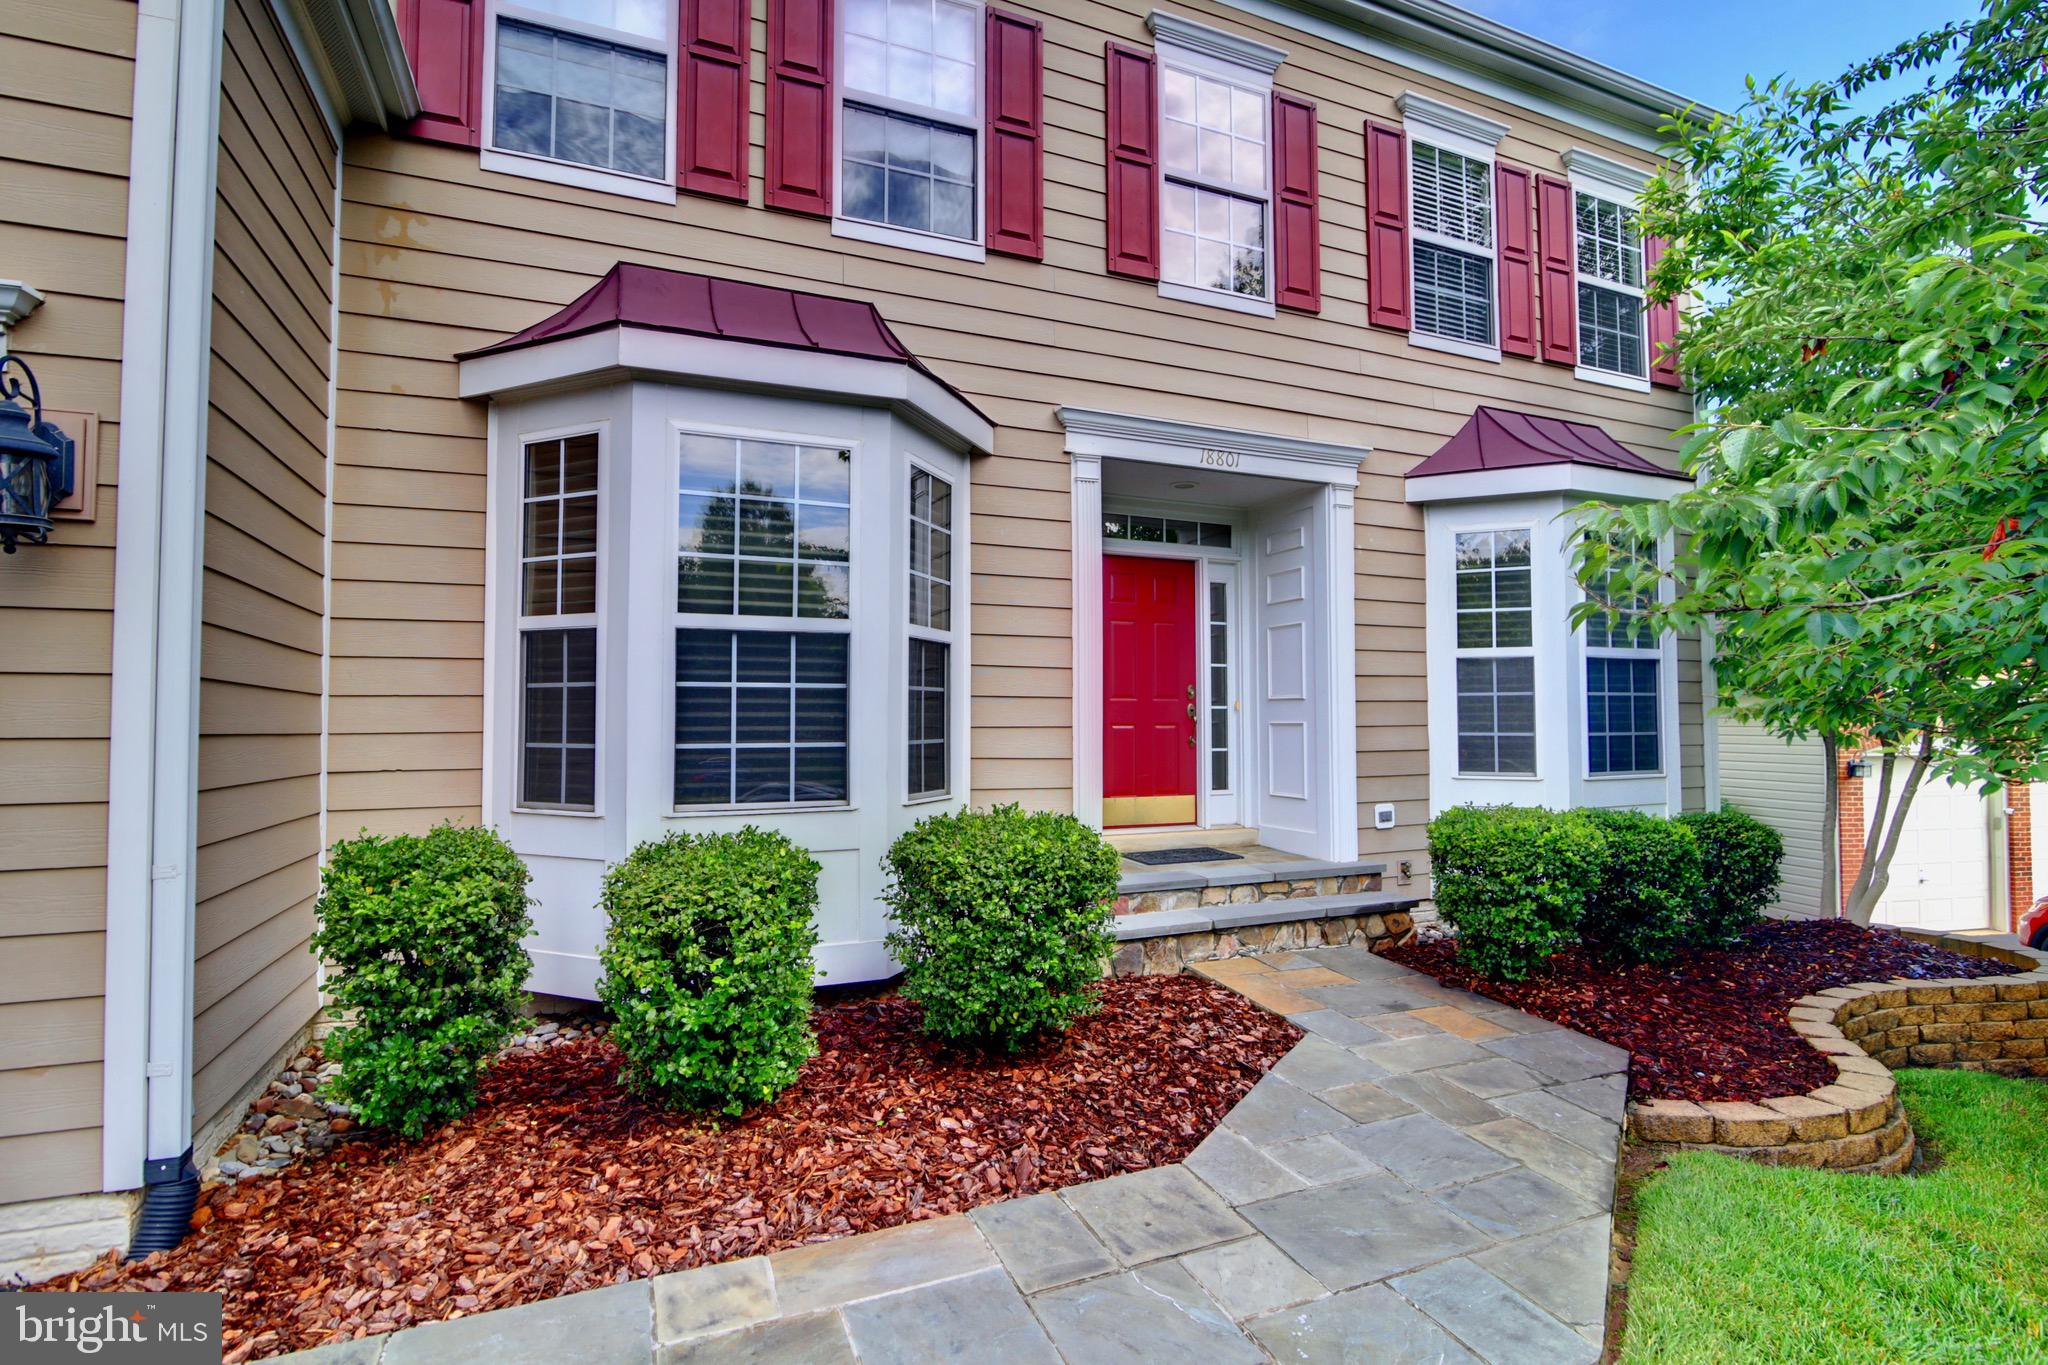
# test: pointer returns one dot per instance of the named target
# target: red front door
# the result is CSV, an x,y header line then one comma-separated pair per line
x,y
1148,709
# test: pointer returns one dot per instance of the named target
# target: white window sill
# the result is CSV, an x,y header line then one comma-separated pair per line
x,y
1500,777
772,808
1453,346
581,177
1216,298
926,242
1657,776
556,810
932,799
1611,379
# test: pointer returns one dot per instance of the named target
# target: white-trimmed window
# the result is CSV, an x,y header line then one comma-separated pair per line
x,y
1451,198
585,87
763,620
558,569
930,523
1624,664
910,112
1216,205
1610,284
1215,164
1495,653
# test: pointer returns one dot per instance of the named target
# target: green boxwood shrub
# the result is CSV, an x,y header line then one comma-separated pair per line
x,y
1645,905
421,934
1002,922
1739,857
1513,881
707,967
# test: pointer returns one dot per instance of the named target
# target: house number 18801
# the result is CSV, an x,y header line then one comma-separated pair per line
x,y
1221,459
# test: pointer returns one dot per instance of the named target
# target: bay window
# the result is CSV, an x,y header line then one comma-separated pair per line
x,y
910,119
584,87
1623,667
557,624
1495,653
931,633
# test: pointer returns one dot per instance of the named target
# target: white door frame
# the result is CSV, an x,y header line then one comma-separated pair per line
x,y
1092,437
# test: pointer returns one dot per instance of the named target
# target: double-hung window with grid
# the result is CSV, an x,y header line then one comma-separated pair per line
x,y
1623,666
910,116
1495,653
930,521
1452,225
1610,282
558,554
763,619
585,83
1215,195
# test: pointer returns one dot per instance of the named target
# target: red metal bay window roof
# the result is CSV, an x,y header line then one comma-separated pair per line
x,y
1497,439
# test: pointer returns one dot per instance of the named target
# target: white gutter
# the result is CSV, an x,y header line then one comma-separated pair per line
x,y
153,741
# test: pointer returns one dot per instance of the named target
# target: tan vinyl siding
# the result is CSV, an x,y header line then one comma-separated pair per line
x,y
263,603
65,75
439,256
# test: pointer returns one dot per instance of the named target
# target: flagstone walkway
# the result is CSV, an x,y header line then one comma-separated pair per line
x,y
1428,1176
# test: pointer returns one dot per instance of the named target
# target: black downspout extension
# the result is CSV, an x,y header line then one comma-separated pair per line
x,y
170,1191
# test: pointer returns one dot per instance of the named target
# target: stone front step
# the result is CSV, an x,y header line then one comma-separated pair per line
x,y
1217,884
1162,942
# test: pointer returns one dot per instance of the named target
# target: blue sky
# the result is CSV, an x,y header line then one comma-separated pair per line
x,y
1704,50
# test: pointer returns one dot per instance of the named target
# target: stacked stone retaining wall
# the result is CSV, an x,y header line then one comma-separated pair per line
x,y
1855,1123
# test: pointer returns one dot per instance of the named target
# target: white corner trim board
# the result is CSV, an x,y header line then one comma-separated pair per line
x,y
153,738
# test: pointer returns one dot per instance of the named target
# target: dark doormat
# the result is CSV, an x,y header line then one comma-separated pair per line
x,y
1156,857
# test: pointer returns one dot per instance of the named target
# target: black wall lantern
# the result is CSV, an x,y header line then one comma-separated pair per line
x,y
38,462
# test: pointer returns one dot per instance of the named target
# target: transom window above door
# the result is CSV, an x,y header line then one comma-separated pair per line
x,y
584,83
910,116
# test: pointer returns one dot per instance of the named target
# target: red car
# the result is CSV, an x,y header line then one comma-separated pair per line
x,y
2034,925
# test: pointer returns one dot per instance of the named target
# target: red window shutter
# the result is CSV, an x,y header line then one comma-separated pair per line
x,y
1390,298
1663,324
1297,233
1133,217
1015,62
445,41
711,121
1515,234
800,106
1554,212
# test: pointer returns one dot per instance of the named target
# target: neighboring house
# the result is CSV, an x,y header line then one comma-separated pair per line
x,y
638,416
1966,857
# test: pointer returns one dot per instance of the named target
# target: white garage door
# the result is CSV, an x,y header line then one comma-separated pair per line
x,y
1941,877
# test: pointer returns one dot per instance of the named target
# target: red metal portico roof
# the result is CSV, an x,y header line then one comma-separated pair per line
x,y
1497,438
680,301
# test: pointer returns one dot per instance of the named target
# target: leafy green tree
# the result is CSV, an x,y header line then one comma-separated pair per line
x,y
1869,537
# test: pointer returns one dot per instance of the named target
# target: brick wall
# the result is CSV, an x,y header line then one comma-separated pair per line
x,y
2019,849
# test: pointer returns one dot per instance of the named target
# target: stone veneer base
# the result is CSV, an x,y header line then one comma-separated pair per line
x,y
1167,954
1856,1123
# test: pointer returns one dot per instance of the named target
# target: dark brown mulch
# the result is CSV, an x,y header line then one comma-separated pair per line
x,y
561,1181
1711,1026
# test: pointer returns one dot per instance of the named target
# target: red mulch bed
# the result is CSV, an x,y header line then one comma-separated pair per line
x,y
561,1181
1711,1026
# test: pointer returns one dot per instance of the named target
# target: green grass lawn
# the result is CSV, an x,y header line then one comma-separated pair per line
x,y
1736,1262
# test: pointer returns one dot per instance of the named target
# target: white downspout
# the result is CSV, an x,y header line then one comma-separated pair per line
x,y
153,739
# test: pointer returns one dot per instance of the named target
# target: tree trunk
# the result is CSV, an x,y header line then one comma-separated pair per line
x,y
1831,830
1882,839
